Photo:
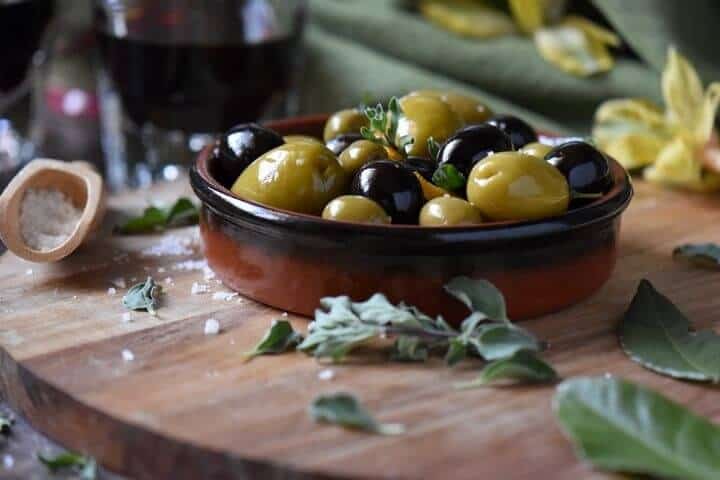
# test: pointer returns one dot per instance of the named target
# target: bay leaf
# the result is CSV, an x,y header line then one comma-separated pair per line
x,y
343,409
658,336
619,426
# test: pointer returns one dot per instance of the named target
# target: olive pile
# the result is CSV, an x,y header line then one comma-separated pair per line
x,y
433,158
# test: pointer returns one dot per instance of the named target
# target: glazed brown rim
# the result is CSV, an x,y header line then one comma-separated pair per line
x,y
230,206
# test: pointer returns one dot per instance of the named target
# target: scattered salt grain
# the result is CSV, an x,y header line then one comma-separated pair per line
x,y
284,314
111,291
168,280
119,282
212,327
127,317
198,288
161,270
127,355
170,245
8,461
74,297
29,271
226,296
326,374
208,274
189,265
47,218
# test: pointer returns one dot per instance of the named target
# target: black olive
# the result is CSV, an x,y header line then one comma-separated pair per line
x,y
395,188
520,132
239,146
423,166
585,167
471,144
341,142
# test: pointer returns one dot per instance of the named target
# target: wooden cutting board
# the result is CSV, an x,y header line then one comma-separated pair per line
x,y
187,407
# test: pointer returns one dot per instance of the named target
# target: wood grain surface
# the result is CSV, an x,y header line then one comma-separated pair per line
x,y
187,407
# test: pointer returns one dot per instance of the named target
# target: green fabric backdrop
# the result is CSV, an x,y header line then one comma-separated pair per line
x,y
376,47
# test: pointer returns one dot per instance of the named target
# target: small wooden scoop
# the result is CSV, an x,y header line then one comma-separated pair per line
x,y
78,180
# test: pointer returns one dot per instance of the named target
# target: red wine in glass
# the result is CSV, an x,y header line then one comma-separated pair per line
x,y
22,24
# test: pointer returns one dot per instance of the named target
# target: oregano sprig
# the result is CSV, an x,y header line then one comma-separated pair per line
x,y
383,126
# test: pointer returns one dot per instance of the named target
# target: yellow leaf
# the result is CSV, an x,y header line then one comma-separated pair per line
x,y
467,18
593,30
682,91
574,49
706,117
634,151
677,166
629,115
528,14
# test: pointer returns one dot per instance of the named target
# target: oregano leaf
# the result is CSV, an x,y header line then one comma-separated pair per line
x,y
705,255
523,366
279,338
344,410
143,296
479,296
447,176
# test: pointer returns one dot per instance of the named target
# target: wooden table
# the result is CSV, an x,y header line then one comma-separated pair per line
x,y
187,406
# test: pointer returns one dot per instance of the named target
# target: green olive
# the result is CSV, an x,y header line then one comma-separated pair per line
x,y
301,138
425,117
359,153
301,177
447,211
355,208
536,149
517,186
470,110
343,122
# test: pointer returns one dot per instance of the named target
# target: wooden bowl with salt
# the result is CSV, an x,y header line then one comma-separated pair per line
x,y
49,209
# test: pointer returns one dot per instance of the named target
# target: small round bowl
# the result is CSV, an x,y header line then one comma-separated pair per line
x,y
290,261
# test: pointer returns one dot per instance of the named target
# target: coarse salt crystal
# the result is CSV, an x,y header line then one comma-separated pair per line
x,y
47,218
212,327
208,274
284,314
111,291
119,282
198,288
189,265
326,374
127,355
169,245
168,280
8,461
126,317
29,271
226,296
161,270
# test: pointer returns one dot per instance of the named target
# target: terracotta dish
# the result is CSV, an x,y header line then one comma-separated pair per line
x,y
289,260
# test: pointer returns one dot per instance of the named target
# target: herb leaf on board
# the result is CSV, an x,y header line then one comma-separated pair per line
x,y
153,219
143,296
619,426
279,338
344,410
705,255
409,349
85,467
523,366
658,336
479,296
493,341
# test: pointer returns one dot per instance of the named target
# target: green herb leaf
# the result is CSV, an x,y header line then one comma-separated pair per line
x,y
657,335
86,467
433,148
394,114
479,296
500,340
457,352
409,349
183,212
344,410
619,426
143,296
6,423
153,219
705,255
523,366
447,176
279,338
